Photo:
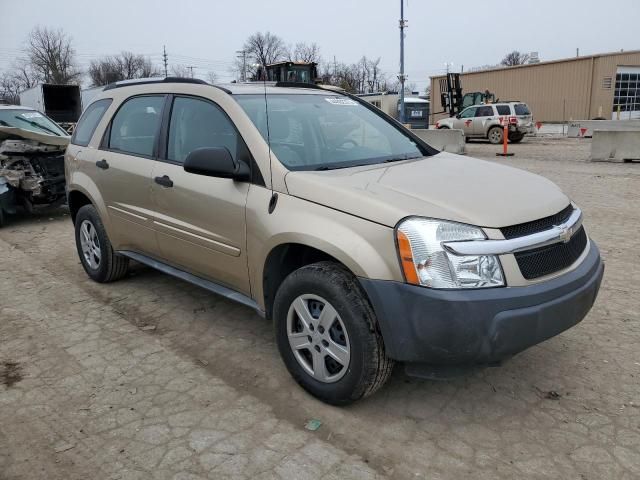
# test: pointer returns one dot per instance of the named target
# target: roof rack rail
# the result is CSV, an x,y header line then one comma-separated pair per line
x,y
151,80
298,85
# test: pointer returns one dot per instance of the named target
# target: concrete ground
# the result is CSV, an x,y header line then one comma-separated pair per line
x,y
151,377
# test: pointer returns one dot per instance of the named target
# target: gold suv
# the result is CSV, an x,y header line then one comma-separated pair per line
x,y
363,245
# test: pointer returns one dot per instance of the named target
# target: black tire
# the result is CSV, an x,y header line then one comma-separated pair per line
x,y
111,266
2,217
496,135
369,367
516,138
444,127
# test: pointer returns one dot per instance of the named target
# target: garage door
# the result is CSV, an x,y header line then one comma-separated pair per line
x,y
627,93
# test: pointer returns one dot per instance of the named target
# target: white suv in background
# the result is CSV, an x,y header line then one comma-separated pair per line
x,y
485,121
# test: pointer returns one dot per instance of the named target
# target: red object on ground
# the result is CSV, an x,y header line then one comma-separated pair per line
x,y
538,125
505,139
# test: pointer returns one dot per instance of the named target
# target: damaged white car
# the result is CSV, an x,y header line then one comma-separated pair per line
x,y
31,160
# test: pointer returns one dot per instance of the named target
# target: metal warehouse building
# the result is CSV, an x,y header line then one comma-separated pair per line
x,y
574,88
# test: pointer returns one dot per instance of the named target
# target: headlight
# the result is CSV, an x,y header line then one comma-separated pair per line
x,y
426,263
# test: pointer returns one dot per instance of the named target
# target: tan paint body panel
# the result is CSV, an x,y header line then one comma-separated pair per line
x,y
200,225
366,248
445,186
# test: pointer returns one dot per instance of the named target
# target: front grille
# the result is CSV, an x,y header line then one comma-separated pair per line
x,y
552,258
536,226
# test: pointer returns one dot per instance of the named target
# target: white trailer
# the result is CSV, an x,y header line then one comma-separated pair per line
x,y
61,103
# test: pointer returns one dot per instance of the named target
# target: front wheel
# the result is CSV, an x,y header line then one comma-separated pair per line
x,y
328,336
496,135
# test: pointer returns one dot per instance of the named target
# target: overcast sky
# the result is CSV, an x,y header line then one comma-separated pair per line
x,y
206,34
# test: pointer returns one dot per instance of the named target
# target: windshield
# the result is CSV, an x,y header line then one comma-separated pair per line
x,y
323,132
30,120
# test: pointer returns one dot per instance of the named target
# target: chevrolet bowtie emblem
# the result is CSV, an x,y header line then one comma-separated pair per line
x,y
565,234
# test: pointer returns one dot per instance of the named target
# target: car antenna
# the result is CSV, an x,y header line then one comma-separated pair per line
x,y
274,196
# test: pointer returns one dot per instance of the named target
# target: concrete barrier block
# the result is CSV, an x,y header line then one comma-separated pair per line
x,y
585,128
615,146
451,141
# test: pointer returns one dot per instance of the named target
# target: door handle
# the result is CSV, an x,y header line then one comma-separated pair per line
x,y
103,164
165,181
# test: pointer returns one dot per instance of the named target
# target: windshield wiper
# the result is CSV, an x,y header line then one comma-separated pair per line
x,y
401,158
36,124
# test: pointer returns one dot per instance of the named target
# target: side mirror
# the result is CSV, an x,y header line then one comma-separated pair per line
x,y
216,162
458,116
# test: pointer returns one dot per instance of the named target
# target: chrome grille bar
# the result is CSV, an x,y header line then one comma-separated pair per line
x,y
556,234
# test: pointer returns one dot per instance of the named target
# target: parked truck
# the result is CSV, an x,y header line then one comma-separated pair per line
x,y
61,103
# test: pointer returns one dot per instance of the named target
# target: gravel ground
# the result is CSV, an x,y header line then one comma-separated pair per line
x,y
151,377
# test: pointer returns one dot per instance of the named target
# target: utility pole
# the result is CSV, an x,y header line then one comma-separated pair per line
x,y
165,59
243,54
401,77
191,70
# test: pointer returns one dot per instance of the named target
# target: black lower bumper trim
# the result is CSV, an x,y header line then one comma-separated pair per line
x,y
458,327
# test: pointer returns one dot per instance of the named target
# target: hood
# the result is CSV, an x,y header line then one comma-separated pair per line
x,y
445,186
10,132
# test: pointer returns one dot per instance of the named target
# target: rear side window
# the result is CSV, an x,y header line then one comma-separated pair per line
x,y
135,125
197,124
89,121
522,109
503,109
486,111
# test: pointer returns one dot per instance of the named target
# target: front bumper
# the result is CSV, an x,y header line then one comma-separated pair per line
x,y
483,326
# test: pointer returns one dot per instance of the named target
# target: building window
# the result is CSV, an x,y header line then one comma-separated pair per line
x,y
627,92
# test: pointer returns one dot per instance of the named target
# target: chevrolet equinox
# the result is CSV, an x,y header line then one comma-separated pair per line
x,y
362,244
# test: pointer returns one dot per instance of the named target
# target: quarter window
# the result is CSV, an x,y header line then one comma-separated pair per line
x,y
197,124
135,126
503,109
89,121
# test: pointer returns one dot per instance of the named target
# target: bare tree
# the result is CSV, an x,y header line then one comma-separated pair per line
x,y
265,48
515,58
124,66
180,71
20,77
305,52
212,77
52,56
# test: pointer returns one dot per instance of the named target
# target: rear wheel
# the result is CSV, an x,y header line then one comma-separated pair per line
x,y
99,260
496,135
516,138
328,336
444,127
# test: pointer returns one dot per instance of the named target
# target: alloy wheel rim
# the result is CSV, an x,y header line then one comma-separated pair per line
x,y
318,338
90,245
496,135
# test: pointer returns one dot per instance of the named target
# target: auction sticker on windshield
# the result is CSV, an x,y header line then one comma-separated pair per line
x,y
31,115
340,101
